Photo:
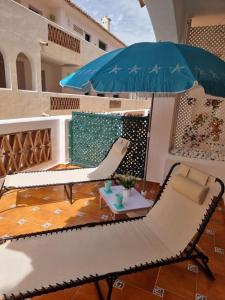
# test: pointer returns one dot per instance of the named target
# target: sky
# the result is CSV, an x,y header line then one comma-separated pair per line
x,y
130,22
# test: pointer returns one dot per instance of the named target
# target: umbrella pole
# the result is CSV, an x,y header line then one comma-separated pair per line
x,y
147,144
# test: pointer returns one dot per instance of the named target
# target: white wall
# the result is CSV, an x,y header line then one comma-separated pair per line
x,y
215,168
204,7
18,125
18,37
209,19
161,130
53,75
27,71
58,133
67,16
160,160
22,104
21,31
72,16
163,18
40,5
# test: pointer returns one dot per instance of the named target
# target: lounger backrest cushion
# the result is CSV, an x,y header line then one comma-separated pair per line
x,y
109,165
175,218
189,188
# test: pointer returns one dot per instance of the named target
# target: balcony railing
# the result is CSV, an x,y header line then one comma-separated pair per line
x,y
63,39
62,103
23,150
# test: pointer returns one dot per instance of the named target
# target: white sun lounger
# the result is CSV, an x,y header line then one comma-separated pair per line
x,y
41,263
69,177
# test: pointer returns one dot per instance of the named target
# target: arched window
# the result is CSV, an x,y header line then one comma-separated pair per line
x,y
2,72
24,73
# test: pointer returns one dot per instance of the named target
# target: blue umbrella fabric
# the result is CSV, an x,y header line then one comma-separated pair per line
x,y
80,80
162,67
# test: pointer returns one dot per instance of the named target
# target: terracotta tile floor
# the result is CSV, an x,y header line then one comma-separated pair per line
x,y
47,208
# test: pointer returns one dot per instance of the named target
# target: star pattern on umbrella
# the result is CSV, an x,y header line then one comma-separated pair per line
x,y
135,69
93,71
81,71
177,68
214,75
200,71
87,71
155,69
115,70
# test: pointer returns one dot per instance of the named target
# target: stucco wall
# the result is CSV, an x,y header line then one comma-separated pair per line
x,y
161,130
66,16
21,31
160,160
37,123
21,104
53,75
207,20
27,71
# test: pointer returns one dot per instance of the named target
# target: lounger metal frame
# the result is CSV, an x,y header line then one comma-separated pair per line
x,y
191,252
67,187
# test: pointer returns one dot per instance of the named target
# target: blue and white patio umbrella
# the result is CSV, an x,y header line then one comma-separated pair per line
x,y
156,68
162,67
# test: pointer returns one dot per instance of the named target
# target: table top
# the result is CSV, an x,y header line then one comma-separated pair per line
x,y
133,203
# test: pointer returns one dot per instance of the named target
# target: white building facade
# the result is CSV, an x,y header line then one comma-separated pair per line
x,y
42,42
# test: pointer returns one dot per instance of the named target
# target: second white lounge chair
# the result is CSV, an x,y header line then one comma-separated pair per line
x,y
69,177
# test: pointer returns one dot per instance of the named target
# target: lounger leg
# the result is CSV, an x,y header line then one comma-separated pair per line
x,y
2,189
202,261
69,192
110,282
100,296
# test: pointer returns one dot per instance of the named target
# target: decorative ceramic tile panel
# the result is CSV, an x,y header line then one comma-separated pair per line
x,y
199,128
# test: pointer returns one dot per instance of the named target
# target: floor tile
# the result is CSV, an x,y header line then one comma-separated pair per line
x,y
145,280
211,289
177,279
67,294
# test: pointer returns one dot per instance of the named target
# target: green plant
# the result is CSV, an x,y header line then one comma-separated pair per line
x,y
127,181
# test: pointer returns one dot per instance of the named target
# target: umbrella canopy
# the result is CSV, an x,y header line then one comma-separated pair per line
x,y
156,68
162,67
80,80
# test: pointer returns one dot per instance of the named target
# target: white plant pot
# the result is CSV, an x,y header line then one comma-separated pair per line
x,y
126,193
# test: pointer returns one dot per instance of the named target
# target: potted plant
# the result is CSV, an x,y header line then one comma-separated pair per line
x,y
127,181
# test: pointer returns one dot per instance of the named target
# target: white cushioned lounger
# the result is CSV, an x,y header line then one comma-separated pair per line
x,y
70,176
36,264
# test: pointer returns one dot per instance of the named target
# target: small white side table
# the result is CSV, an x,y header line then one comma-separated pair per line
x,y
135,205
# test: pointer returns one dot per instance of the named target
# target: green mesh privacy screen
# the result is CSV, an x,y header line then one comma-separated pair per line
x,y
92,135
